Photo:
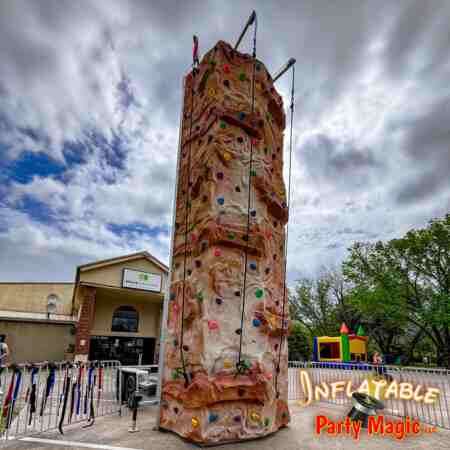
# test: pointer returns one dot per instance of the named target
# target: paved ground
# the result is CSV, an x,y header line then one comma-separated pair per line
x,y
111,432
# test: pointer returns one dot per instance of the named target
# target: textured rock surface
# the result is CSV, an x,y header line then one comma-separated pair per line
x,y
219,404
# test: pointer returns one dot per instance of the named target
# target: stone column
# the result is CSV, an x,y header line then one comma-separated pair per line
x,y
85,324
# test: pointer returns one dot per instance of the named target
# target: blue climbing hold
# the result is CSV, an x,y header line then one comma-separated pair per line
x,y
241,116
253,213
220,200
253,265
256,322
213,417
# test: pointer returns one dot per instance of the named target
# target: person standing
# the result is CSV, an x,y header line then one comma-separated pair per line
x,y
4,353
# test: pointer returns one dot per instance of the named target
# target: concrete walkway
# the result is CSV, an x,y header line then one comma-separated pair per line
x,y
111,433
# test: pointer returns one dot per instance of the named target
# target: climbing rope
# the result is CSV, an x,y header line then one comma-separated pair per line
x,y
187,208
242,366
287,233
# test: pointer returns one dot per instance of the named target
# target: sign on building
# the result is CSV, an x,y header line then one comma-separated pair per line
x,y
135,279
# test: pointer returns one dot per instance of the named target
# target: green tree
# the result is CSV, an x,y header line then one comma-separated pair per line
x,y
299,343
407,280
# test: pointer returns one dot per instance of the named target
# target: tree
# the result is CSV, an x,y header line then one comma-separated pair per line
x,y
407,280
321,305
299,343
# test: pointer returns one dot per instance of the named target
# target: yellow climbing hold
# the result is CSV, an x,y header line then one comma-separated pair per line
x,y
195,422
227,156
227,364
255,416
211,92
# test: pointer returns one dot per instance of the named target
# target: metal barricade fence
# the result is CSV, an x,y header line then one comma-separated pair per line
x,y
45,396
437,413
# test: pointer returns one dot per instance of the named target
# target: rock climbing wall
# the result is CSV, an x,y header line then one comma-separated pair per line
x,y
220,403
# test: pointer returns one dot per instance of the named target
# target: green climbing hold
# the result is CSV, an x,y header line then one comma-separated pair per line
x,y
259,293
231,235
200,296
266,422
242,76
253,173
223,125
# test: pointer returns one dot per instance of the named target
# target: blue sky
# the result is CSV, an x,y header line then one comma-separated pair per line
x,y
89,114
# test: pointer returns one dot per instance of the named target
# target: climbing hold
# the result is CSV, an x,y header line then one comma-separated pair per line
x,y
212,417
253,213
231,235
220,175
198,263
240,139
259,293
175,410
237,293
266,422
241,116
223,125
204,198
237,418
255,142
267,270
238,331
255,416
211,92
199,296
217,252
172,296
256,322
175,307
189,272
227,364
213,324
226,68
253,265
242,76
185,348
253,173
226,83
237,189
220,200
193,237
213,63
195,422
227,156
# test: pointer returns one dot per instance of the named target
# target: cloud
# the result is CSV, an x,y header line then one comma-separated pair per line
x,y
90,112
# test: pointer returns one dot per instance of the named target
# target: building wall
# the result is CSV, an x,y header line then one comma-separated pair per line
x,y
112,275
34,342
105,305
32,297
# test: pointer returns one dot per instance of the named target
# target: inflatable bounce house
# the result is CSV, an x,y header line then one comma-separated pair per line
x,y
346,348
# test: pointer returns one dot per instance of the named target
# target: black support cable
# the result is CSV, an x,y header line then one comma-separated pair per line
x,y
186,224
287,233
239,365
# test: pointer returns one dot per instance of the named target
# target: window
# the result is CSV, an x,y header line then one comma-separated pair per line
x,y
330,350
52,304
125,319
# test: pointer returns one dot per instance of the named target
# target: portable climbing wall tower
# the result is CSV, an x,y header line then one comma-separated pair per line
x,y
225,356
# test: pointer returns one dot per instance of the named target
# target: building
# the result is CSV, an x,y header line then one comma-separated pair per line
x,y
112,311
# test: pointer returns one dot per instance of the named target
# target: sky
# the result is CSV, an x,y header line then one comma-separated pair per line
x,y
89,113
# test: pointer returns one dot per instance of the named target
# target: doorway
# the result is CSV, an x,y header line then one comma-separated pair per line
x,y
127,350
